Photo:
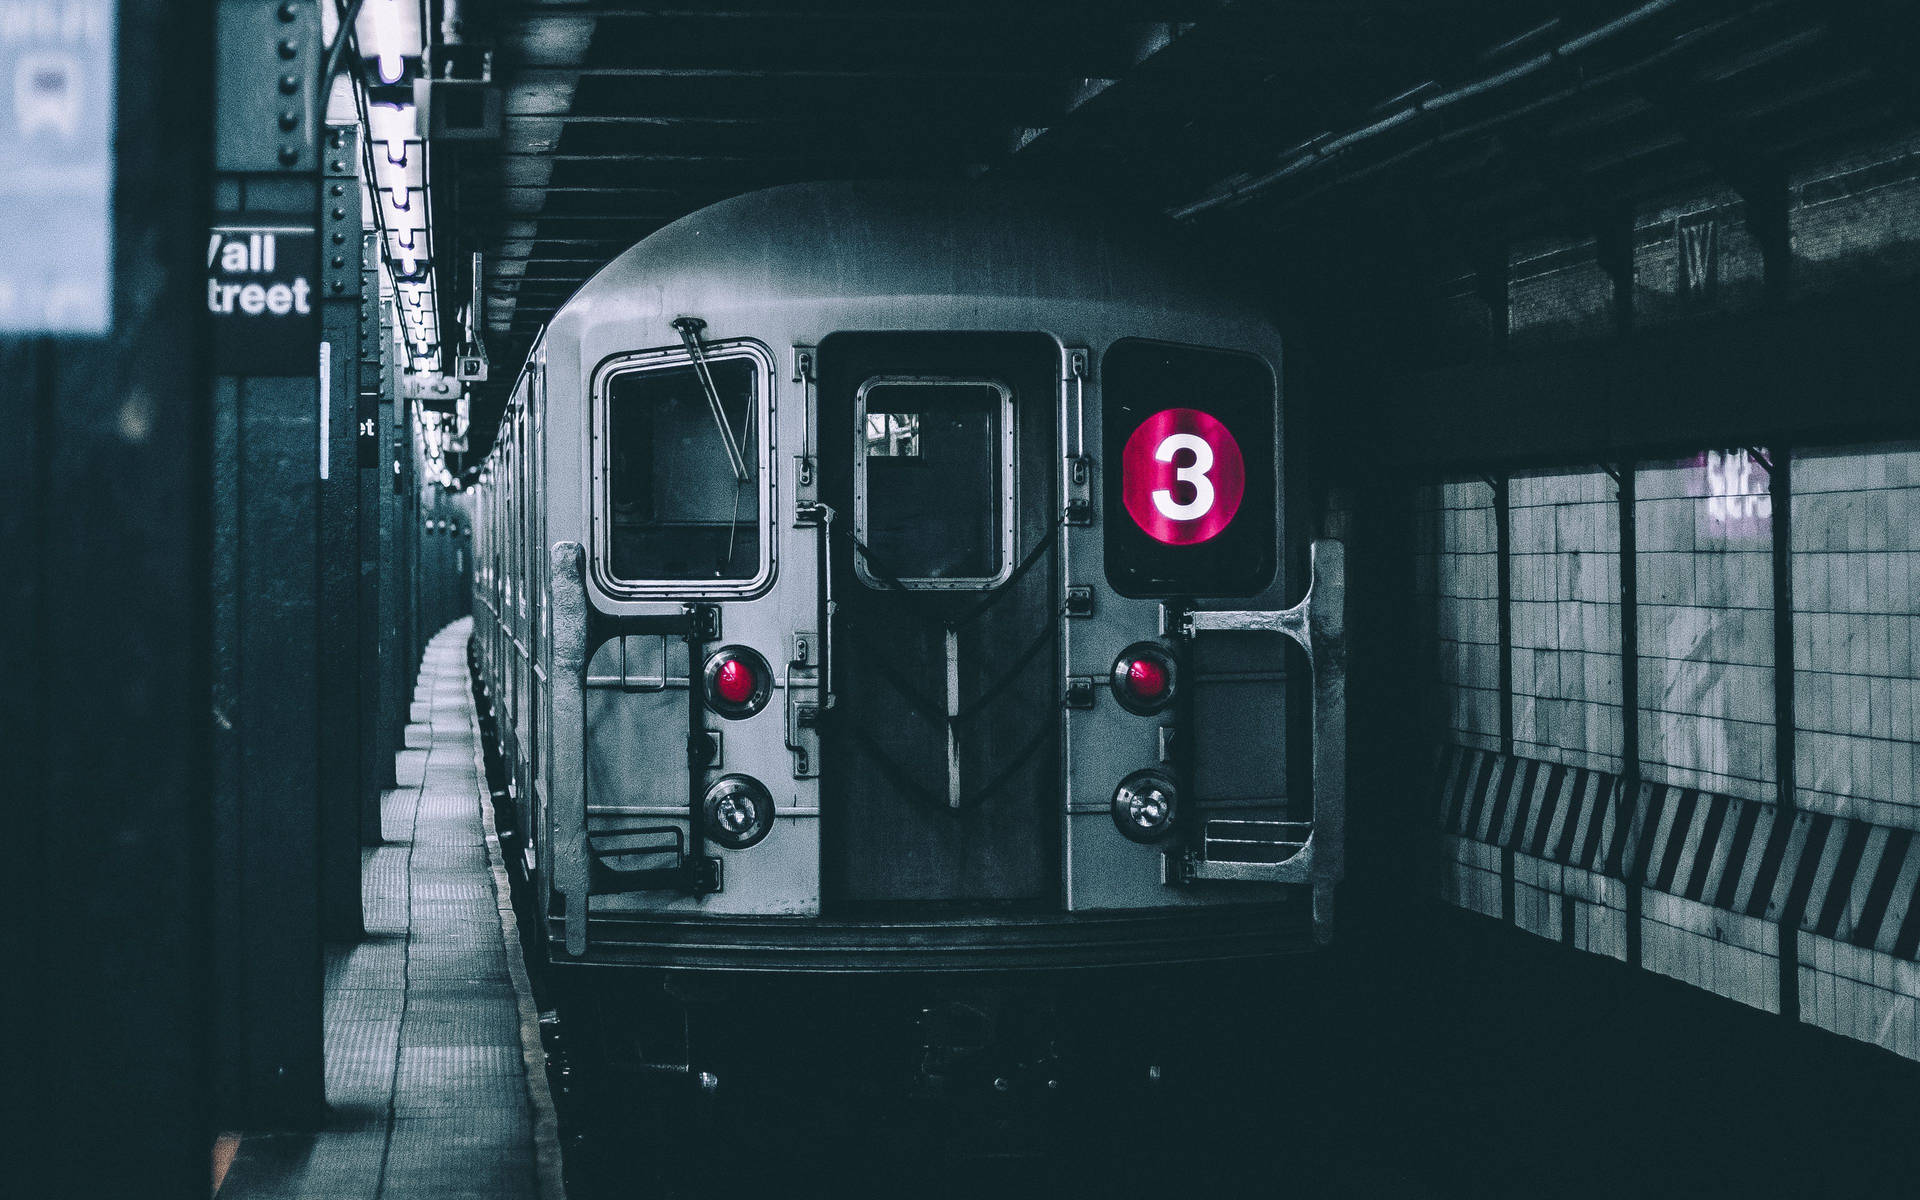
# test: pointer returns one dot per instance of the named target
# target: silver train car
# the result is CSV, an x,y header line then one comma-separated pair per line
x,y
885,577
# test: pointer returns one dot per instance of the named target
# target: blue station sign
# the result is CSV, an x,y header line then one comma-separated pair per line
x,y
57,60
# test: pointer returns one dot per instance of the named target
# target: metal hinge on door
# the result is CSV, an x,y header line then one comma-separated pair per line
x,y
803,705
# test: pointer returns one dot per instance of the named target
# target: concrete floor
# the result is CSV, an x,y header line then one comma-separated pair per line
x,y
428,1087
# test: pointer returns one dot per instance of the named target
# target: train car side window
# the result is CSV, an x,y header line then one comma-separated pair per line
x,y
677,513
933,483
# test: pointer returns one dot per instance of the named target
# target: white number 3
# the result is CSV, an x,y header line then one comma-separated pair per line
x,y
1194,473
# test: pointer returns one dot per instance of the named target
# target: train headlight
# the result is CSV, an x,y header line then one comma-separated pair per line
x,y
1146,806
1145,678
738,811
738,682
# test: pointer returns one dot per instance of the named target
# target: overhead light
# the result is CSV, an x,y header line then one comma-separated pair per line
x,y
384,38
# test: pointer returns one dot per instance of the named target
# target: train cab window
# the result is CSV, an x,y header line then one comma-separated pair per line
x,y
683,491
933,495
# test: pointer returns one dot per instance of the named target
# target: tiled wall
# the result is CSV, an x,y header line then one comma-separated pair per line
x,y
1852,221
1456,576
1856,591
1723,878
1705,554
1564,537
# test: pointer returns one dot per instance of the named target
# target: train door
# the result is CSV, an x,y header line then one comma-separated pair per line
x,y
941,770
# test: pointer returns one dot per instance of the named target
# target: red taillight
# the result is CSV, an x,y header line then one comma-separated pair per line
x,y
1148,679
738,682
734,682
1144,678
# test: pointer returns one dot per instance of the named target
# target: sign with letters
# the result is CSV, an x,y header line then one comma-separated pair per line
x,y
260,290
57,60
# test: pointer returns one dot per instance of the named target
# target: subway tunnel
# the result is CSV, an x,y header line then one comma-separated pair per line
x,y
878,598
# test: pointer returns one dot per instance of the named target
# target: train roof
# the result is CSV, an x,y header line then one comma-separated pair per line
x,y
951,242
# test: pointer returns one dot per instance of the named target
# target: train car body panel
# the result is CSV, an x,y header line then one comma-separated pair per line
x,y
933,782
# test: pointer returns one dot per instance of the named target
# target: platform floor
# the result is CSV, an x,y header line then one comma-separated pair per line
x,y
432,1091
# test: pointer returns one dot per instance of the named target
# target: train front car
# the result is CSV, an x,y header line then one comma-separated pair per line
x,y
899,580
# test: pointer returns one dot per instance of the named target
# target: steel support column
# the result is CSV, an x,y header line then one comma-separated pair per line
x,y
1503,599
376,737
1778,463
1626,810
393,652
341,804
267,571
103,662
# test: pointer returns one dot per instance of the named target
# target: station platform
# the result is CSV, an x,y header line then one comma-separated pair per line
x,y
436,1086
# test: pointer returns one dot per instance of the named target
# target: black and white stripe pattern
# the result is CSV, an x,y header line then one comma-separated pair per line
x,y
1832,876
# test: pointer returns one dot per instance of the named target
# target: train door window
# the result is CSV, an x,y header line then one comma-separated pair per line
x,y
1190,451
684,494
933,483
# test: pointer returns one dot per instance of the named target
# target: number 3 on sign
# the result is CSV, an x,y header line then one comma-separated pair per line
x,y
1194,473
1182,476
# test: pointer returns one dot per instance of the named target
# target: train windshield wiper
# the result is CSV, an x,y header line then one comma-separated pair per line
x,y
689,329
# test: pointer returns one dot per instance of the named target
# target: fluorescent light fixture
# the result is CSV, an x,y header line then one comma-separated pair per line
x,y
388,33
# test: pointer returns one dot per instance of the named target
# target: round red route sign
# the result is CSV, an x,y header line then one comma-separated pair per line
x,y
1182,477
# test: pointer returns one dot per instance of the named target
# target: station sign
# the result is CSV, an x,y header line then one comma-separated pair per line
x,y
431,390
57,63
366,429
1182,477
261,294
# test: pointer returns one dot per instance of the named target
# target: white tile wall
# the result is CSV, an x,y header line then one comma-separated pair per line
x,y
1856,585
1564,539
1457,586
1860,993
1704,541
1704,530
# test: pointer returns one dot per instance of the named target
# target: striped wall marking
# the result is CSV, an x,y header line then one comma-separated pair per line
x,y
1493,800
1824,873
1446,773
1463,784
1596,807
1483,785
1900,906
1573,813
1550,812
1893,863
1908,941
1533,798
1684,845
1675,844
1710,848
1878,839
1859,854
1620,828
1518,806
1807,848
1475,784
1772,851
1651,815
1751,857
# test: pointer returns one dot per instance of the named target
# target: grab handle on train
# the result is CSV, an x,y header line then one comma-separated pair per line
x,y
567,735
1318,624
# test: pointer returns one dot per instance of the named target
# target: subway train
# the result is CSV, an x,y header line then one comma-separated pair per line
x,y
905,578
